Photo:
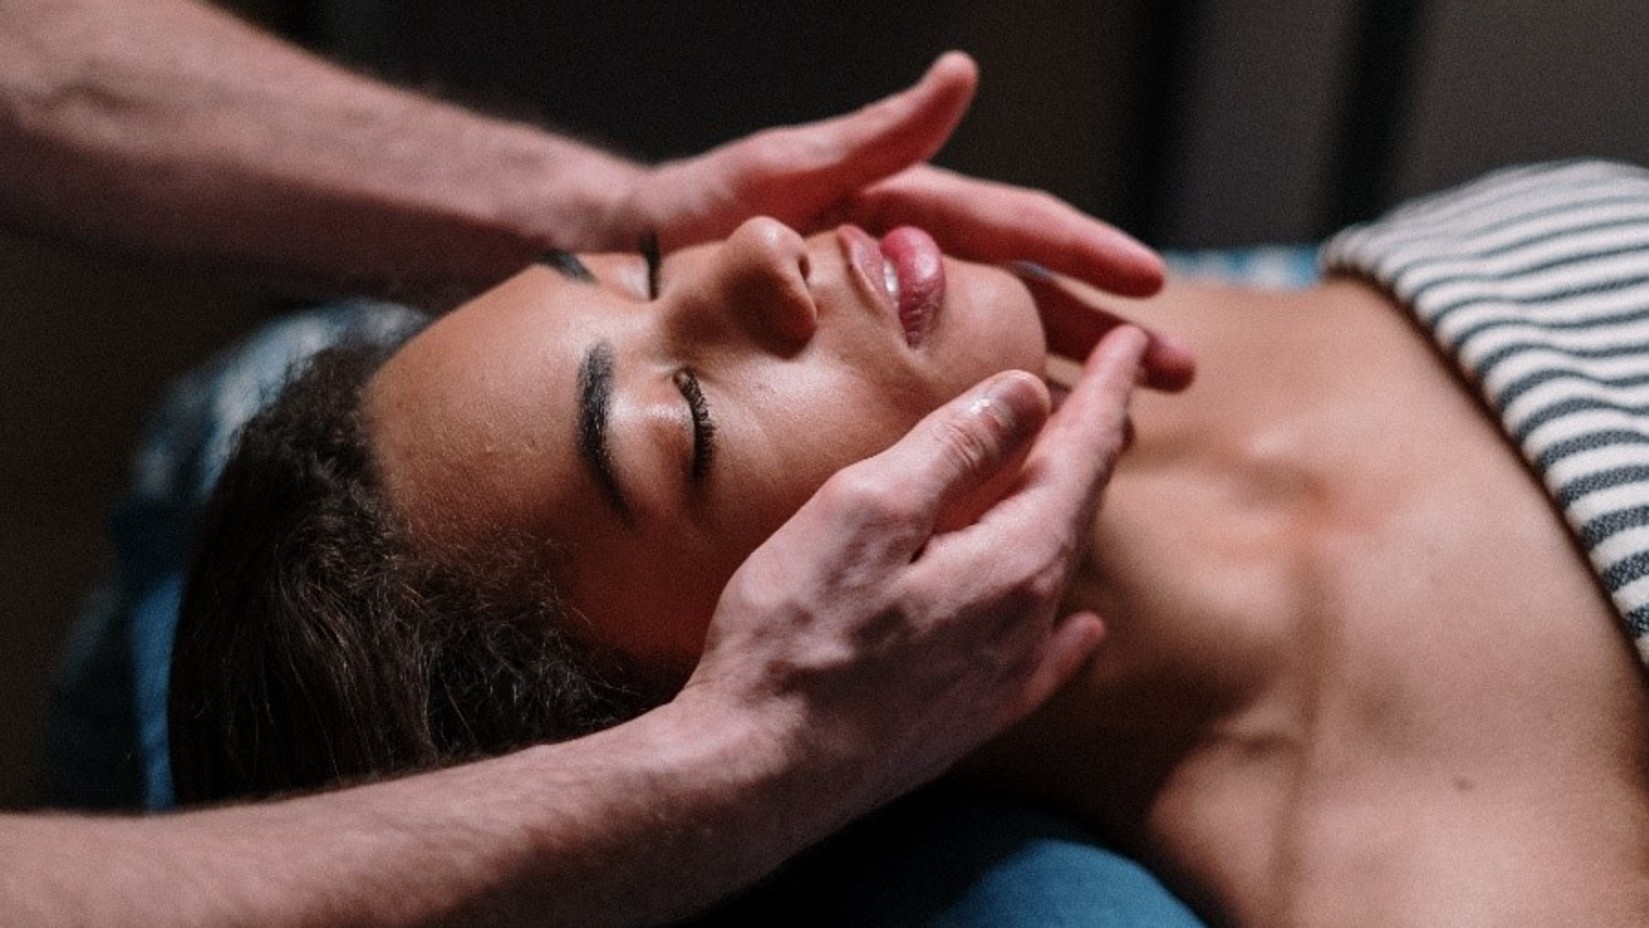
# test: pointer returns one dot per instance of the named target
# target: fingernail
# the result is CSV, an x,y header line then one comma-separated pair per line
x,y
1014,403
1030,270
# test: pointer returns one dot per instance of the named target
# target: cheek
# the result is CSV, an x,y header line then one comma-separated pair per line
x,y
654,598
654,601
806,442
994,327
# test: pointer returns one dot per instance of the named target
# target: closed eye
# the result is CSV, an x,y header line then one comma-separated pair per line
x,y
704,428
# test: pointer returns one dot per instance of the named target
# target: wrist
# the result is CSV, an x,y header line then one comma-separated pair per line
x,y
807,774
565,194
664,814
747,763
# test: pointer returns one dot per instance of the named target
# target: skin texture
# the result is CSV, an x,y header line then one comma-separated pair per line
x,y
168,128
803,367
1357,673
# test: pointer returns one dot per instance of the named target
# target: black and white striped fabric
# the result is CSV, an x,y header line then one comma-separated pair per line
x,y
1535,281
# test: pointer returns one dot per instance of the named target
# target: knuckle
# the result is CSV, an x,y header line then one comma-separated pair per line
x,y
1044,587
871,498
1040,580
1111,446
966,450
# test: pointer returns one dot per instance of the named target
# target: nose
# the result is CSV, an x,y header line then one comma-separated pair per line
x,y
755,284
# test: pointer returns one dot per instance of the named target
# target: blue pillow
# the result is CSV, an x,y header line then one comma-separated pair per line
x,y
106,729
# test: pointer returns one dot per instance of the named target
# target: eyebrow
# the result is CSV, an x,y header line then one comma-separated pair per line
x,y
595,400
567,264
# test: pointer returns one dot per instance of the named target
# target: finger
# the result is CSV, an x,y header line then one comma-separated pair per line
x,y
903,129
952,452
798,171
995,223
1072,642
1080,442
1074,325
1028,538
1072,457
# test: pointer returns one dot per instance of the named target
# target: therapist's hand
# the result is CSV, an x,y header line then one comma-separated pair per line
x,y
868,167
881,649
1074,320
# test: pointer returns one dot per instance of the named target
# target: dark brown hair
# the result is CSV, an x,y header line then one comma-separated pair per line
x,y
317,643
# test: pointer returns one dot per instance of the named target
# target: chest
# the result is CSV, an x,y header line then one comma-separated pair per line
x,y
1331,585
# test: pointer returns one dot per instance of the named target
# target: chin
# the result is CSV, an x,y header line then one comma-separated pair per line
x,y
989,323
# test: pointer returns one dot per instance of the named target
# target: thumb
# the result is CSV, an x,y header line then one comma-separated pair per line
x,y
951,454
887,505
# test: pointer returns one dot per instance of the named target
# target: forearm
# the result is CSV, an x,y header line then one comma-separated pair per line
x,y
641,823
170,127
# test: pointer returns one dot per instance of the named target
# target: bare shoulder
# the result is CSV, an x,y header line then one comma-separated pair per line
x,y
1354,648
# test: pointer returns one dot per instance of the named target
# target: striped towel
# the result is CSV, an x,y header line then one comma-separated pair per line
x,y
1535,282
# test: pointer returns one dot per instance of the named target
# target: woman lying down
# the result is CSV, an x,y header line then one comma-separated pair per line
x,y
1365,662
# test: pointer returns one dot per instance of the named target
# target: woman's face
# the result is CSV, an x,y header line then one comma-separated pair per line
x,y
657,436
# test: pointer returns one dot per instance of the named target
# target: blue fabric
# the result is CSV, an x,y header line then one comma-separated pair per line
x,y
951,858
92,759
106,729
1280,267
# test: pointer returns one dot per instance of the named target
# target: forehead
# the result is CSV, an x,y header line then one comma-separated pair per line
x,y
475,428
473,421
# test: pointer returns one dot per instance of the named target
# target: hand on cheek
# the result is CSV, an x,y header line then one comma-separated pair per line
x,y
881,650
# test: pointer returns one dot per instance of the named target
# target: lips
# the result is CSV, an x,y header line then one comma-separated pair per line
x,y
907,269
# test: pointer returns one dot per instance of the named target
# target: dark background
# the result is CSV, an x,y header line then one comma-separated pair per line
x,y
1188,122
